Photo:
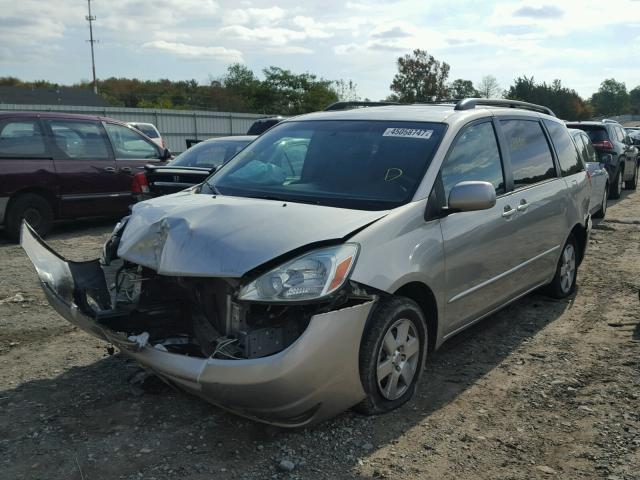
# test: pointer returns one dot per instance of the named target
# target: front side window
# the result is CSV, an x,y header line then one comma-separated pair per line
x,y
21,138
474,157
369,165
531,160
209,154
148,130
570,162
73,139
127,143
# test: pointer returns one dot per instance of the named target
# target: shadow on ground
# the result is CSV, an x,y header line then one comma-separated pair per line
x,y
92,419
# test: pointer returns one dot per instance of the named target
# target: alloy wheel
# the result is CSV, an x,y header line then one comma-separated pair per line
x,y
567,268
398,359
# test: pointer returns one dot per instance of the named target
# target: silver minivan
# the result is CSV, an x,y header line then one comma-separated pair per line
x,y
315,271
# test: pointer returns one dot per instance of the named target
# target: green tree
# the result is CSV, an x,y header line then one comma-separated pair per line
x,y
420,78
346,90
565,102
488,87
461,88
611,98
291,94
634,100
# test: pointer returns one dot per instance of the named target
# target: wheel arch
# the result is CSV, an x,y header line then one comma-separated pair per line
x,y
45,193
579,232
423,295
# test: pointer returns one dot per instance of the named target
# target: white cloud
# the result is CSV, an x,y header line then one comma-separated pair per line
x,y
257,16
195,52
289,50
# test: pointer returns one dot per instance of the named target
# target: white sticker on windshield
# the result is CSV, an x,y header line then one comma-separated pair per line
x,y
408,133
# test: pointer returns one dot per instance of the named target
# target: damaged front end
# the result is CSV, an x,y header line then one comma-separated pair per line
x,y
288,363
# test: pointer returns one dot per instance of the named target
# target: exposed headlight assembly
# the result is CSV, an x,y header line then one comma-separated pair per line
x,y
308,277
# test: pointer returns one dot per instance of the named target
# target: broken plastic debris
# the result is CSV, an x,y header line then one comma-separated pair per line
x,y
141,339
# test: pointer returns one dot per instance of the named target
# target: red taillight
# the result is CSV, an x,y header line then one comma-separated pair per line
x,y
604,144
139,183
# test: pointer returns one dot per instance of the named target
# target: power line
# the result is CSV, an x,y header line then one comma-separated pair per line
x,y
90,18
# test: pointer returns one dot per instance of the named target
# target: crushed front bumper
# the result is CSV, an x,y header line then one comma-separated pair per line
x,y
313,379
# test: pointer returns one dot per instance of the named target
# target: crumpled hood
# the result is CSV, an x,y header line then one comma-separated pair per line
x,y
189,234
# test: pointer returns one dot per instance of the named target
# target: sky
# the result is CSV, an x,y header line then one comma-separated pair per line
x,y
580,42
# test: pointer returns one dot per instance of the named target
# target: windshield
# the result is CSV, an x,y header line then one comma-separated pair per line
x,y
596,133
367,165
209,154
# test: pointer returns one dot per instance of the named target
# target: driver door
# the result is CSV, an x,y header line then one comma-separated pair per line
x,y
478,245
132,152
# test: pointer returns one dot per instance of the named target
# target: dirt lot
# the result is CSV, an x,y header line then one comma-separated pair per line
x,y
544,389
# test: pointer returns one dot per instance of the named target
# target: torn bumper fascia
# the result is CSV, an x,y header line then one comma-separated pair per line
x,y
313,379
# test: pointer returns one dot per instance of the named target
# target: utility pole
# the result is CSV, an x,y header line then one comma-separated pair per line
x,y
90,18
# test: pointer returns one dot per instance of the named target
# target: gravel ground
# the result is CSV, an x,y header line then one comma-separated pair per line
x,y
543,389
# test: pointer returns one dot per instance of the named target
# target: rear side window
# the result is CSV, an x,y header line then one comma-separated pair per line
x,y
127,143
78,140
619,133
474,157
570,162
531,160
21,138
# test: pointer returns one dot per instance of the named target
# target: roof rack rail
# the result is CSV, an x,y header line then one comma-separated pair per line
x,y
470,103
350,105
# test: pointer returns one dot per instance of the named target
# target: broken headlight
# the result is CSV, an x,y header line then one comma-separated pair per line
x,y
309,277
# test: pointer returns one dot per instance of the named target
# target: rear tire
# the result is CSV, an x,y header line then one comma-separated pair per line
x,y
616,187
33,208
564,280
392,355
633,183
603,206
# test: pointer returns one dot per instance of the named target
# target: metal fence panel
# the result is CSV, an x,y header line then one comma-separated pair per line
x,y
176,126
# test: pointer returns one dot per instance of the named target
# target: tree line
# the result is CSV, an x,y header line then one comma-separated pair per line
x,y
420,78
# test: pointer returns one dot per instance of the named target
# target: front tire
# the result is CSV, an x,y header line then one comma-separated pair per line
x,y
33,208
633,183
392,355
616,189
564,280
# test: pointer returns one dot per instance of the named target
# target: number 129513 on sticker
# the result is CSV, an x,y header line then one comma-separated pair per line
x,y
408,133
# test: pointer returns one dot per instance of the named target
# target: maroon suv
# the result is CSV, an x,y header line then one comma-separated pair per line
x,y
61,166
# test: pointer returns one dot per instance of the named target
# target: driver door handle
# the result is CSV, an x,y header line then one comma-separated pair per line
x,y
125,169
110,169
508,211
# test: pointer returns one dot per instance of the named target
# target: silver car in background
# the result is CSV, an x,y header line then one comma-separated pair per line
x,y
597,173
315,270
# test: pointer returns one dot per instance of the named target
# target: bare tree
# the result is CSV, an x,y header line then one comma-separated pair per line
x,y
489,87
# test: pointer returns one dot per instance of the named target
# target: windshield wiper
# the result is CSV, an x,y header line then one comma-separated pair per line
x,y
211,186
290,199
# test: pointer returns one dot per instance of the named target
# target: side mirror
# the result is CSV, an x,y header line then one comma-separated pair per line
x,y
607,159
471,196
165,155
